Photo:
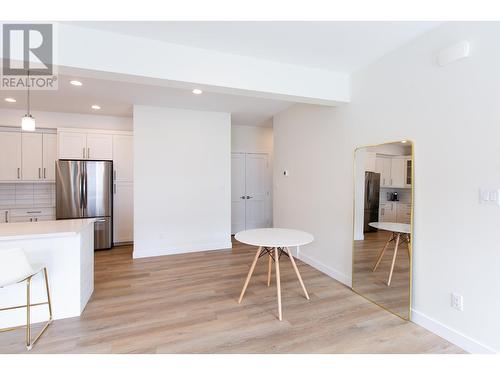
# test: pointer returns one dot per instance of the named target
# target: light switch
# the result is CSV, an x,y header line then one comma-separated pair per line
x,y
489,196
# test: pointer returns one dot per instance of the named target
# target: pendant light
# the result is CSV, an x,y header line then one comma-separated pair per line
x,y
28,121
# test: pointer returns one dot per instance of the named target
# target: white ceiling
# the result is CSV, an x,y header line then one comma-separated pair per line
x,y
116,98
339,46
334,45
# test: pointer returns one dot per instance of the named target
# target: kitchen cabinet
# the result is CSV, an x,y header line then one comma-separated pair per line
x,y
398,172
408,172
49,156
38,157
81,145
395,212
123,158
393,171
99,146
72,145
403,213
383,166
123,212
387,212
32,150
21,215
10,156
4,216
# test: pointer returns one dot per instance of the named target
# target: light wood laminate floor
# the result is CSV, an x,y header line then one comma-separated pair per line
x,y
373,285
188,304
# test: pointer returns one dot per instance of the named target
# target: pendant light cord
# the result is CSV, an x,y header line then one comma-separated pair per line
x,y
29,113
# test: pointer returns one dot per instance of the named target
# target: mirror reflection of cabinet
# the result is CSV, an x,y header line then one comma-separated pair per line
x,y
382,249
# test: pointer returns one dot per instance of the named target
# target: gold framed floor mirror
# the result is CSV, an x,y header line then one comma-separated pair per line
x,y
383,225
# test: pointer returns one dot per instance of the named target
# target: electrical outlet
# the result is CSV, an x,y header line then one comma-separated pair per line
x,y
457,301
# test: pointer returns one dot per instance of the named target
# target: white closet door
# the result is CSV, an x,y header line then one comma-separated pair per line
x,y
237,193
257,191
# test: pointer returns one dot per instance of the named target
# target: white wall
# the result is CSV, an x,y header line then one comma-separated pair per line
x,y
182,181
251,139
452,115
12,117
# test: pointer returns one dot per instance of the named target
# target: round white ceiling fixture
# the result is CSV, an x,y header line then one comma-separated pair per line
x,y
96,107
10,100
76,83
197,92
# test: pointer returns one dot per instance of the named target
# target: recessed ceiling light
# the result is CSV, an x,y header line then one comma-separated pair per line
x,y
10,100
96,107
197,91
76,83
404,141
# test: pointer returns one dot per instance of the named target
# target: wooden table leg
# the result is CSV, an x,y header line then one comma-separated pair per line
x,y
382,252
252,267
297,272
278,281
269,268
394,259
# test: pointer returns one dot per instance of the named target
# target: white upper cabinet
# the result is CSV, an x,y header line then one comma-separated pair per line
x,y
99,146
393,171
123,158
49,157
383,166
32,160
30,156
10,156
82,145
398,172
72,145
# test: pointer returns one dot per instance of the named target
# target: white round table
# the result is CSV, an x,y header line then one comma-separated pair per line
x,y
274,242
397,230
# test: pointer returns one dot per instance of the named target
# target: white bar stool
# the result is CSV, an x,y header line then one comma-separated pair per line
x,y
15,268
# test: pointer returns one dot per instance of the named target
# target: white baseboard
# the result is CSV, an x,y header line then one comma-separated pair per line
x,y
332,272
182,249
465,342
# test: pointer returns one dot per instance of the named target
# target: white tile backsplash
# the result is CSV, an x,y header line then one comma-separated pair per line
x,y
26,195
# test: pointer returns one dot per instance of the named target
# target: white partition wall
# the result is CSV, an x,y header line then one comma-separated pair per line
x,y
182,181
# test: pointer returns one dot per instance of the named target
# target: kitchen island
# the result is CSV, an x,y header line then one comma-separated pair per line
x,y
66,248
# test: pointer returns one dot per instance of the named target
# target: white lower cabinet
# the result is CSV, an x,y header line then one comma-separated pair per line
x,y
123,212
387,212
22,215
403,213
395,212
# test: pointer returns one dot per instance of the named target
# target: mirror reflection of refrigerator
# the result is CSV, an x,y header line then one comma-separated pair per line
x,y
84,190
372,197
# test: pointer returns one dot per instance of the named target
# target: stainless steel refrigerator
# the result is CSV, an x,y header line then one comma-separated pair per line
x,y
372,198
84,190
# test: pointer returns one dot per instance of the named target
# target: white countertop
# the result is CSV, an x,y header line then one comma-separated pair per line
x,y
42,229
